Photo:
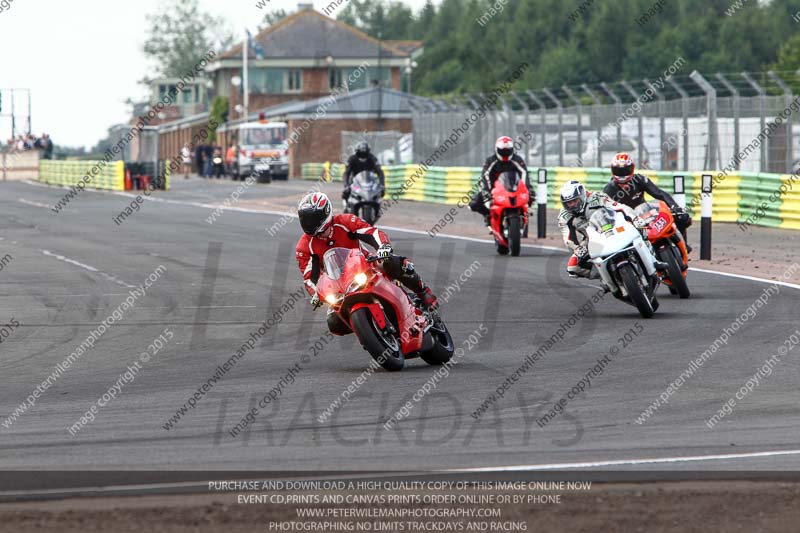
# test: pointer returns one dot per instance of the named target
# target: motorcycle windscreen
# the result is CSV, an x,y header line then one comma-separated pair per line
x,y
647,210
365,181
603,220
510,180
334,262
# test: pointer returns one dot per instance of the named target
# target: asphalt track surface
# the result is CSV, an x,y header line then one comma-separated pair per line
x,y
71,270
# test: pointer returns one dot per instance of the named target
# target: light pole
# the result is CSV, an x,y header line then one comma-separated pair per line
x,y
236,81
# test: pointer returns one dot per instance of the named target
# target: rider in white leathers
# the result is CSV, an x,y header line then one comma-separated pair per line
x,y
578,207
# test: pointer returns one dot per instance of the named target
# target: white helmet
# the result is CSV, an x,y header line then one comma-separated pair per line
x,y
504,148
573,197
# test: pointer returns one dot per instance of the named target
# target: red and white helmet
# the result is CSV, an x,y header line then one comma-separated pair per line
x,y
622,168
315,213
504,148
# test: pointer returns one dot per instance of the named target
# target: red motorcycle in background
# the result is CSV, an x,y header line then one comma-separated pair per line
x,y
508,216
388,321
668,244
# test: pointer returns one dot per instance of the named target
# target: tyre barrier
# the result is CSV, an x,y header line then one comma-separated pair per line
x,y
93,174
748,198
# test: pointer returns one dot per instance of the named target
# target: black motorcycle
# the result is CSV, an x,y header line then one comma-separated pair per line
x,y
218,165
365,197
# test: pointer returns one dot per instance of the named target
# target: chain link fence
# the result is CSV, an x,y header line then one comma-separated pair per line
x,y
692,123
386,145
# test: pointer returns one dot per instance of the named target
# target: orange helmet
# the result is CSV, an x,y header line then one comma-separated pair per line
x,y
504,148
622,168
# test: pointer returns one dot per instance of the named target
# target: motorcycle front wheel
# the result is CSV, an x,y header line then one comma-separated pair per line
x,y
443,347
383,347
675,272
514,235
636,292
368,214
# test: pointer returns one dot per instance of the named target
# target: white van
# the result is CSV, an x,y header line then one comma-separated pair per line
x,y
263,151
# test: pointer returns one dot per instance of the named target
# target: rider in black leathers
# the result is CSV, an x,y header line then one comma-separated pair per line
x,y
503,160
627,187
362,160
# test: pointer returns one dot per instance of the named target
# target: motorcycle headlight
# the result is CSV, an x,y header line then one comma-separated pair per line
x,y
360,279
332,299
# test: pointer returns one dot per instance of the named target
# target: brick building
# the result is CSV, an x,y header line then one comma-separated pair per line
x,y
293,68
316,126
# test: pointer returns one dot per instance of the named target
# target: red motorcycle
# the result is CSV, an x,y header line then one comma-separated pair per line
x,y
388,321
668,244
508,216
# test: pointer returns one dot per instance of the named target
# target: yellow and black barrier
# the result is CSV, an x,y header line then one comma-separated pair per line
x,y
93,174
757,199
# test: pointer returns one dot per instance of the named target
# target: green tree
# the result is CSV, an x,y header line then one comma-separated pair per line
x,y
179,34
217,115
574,41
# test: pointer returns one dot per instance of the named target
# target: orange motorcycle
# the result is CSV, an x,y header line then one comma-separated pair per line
x,y
668,245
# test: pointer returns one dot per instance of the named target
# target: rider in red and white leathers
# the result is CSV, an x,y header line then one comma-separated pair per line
x,y
578,207
322,230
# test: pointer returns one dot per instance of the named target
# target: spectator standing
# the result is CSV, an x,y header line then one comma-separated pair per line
x,y
198,158
186,154
208,158
48,147
230,160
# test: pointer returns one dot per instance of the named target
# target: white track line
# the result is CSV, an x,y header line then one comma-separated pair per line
x,y
626,462
87,267
749,278
35,204
149,487
407,230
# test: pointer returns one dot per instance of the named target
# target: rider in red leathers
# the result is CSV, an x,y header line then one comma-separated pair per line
x,y
323,230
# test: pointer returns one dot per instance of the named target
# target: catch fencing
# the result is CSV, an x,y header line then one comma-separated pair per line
x,y
692,122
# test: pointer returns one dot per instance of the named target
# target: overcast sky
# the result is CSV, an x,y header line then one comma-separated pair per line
x,y
82,59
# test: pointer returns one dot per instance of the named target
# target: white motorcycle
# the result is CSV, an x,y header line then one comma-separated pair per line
x,y
625,261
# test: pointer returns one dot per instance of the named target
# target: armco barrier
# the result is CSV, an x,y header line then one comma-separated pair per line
x,y
736,197
107,176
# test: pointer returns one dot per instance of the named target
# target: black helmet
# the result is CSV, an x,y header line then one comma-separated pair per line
x,y
315,213
362,150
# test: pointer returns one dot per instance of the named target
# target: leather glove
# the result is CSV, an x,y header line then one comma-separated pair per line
x,y
640,223
581,251
316,303
682,216
345,194
385,251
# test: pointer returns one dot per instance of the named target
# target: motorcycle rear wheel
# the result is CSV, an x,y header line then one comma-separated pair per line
x,y
383,350
636,292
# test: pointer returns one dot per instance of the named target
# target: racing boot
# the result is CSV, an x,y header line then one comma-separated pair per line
x,y
413,282
661,266
427,299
